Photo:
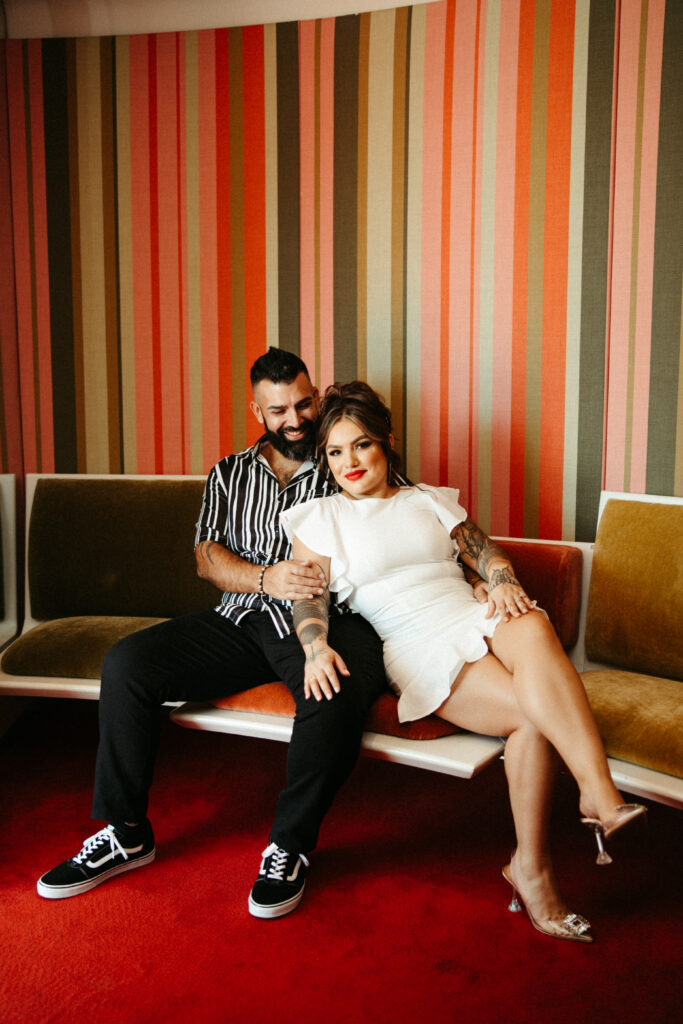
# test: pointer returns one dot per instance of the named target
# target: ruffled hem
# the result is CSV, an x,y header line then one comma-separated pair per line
x,y
427,690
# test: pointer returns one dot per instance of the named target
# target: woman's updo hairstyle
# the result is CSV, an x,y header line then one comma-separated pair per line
x,y
357,401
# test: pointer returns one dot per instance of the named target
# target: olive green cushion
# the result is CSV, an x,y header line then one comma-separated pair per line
x,y
635,605
640,717
71,648
115,546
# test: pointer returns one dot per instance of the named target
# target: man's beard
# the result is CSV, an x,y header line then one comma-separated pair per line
x,y
297,451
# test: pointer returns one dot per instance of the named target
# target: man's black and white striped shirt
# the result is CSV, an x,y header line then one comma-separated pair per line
x,y
241,510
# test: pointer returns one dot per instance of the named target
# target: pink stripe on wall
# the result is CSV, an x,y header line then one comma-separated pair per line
x,y
501,396
646,245
42,281
142,260
627,85
326,329
475,256
464,47
432,187
308,187
208,228
170,286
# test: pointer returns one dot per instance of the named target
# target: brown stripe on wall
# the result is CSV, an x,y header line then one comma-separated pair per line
x,y
76,289
32,255
110,238
288,185
237,294
398,221
58,201
362,194
346,37
665,367
594,280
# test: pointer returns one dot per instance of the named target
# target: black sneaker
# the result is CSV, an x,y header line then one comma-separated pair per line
x,y
279,888
102,856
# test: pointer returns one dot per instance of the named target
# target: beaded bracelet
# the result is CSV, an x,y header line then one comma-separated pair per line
x,y
260,579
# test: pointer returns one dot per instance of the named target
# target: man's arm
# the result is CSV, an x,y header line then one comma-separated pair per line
x,y
311,622
285,581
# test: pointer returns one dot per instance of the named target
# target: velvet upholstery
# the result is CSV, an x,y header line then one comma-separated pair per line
x,y
640,717
115,547
551,574
275,699
70,648
635,606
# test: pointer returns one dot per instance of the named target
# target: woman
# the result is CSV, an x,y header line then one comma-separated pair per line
x,y
495,668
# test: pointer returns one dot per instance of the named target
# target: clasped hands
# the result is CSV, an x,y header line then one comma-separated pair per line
x,y
293,581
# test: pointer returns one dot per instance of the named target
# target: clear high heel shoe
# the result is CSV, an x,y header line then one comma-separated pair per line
x,y
623,815
571,926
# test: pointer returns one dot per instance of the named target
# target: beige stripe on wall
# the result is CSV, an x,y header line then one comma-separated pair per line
x,y
379,195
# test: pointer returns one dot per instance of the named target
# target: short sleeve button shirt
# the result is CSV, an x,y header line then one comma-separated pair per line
x,y
241,510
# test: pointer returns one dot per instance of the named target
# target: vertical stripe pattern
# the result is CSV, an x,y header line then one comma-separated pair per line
x,y
473,204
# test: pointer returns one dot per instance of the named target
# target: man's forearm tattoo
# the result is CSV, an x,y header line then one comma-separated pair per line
x,y
205,549
502,575
316,609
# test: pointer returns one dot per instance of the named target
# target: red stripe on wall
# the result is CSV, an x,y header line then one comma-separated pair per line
x,y
555,266
444,335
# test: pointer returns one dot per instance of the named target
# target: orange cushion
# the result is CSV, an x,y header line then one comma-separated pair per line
x,y
275,699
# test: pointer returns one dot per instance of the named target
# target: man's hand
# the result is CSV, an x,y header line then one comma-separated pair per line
x,y
293,581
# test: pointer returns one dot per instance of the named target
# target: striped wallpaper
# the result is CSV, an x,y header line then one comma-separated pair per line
x,y
474,204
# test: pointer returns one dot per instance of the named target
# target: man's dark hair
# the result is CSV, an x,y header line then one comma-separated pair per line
x,y
278,366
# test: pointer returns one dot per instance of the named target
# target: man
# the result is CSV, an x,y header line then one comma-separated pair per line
x,y
247,640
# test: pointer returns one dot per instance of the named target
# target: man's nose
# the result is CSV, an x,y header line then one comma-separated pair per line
x,y
293,419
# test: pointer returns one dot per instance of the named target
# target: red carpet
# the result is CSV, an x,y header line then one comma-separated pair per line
x,y
404,917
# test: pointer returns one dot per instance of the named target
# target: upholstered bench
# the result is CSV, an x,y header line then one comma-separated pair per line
x,y
634,642
106,556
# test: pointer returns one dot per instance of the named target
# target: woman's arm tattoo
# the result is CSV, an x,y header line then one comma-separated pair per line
x,y
484,551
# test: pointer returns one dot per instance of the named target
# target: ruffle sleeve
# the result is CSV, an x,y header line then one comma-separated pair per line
x,y
315,523
446,504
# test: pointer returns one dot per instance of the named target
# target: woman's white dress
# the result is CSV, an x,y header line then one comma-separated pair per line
x,y
394,562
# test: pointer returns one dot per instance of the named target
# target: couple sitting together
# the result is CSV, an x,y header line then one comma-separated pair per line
x,y
337,577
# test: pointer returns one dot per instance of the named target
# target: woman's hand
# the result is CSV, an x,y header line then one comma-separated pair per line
x,y
320,671
508,598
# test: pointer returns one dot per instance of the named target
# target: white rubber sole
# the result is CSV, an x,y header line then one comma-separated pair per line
x,y
279,910
62,892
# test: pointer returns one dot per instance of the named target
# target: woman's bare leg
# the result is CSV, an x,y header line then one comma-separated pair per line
x,y
483,700
551,696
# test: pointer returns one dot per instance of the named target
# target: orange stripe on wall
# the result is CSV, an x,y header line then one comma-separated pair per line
x,y
168,345
307,189
521,269
555,267
208,233
141,246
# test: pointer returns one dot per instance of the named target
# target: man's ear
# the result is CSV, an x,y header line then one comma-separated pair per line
x,y
392,440
256,409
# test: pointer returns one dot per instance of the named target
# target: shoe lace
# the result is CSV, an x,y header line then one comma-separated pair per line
x,y
275,862
92,843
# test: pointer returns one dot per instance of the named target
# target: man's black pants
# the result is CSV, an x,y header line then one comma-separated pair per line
x,y
203,656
